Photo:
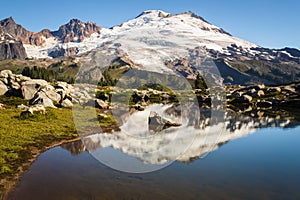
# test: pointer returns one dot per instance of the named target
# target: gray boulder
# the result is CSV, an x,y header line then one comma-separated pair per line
x,y
14,84
51,93
67,103
3,88
43,99
5,73
20,78
4,80
30,88
101,104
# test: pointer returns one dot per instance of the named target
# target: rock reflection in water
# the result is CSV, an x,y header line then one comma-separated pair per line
x,y
74,148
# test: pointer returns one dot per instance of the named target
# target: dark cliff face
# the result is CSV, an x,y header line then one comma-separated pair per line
x,y
12,50
76,31
10,47
61,52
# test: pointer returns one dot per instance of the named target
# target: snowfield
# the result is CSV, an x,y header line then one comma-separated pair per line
x,y
151,39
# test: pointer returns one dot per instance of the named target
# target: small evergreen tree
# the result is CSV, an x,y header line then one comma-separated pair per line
x,y
200,82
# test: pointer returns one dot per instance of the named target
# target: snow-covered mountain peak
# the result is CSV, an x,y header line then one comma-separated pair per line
x,y
148,40
154,14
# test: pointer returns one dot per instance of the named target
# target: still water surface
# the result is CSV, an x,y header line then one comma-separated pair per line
x,y
262,165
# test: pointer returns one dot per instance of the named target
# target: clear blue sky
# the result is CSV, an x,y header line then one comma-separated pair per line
x,y
268,23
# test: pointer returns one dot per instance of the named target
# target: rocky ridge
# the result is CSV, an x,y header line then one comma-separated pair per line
x,y
73,31
76,31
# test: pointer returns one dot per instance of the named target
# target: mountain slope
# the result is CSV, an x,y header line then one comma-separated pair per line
x,y
165,43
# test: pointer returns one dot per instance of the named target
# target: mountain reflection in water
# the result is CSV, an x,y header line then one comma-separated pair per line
x,y
202,131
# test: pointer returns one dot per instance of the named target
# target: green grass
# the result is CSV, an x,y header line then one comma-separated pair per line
x,y
18,135
86,119
11,102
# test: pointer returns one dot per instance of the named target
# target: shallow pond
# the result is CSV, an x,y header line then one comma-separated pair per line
x,y
253,159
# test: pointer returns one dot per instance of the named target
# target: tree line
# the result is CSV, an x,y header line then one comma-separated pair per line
x,y
46,74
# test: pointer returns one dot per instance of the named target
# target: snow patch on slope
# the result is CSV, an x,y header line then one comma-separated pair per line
x,y
34,51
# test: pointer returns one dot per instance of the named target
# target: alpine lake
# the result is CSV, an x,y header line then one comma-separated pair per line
x,y
211,155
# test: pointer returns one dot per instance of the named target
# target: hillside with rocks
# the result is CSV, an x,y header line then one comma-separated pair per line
x,y
38,91
62,94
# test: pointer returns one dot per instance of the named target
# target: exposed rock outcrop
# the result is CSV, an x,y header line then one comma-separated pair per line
x,y
76,31
10,47
265,96
31,87
18,33
37,91
59,52
13,36
12,50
